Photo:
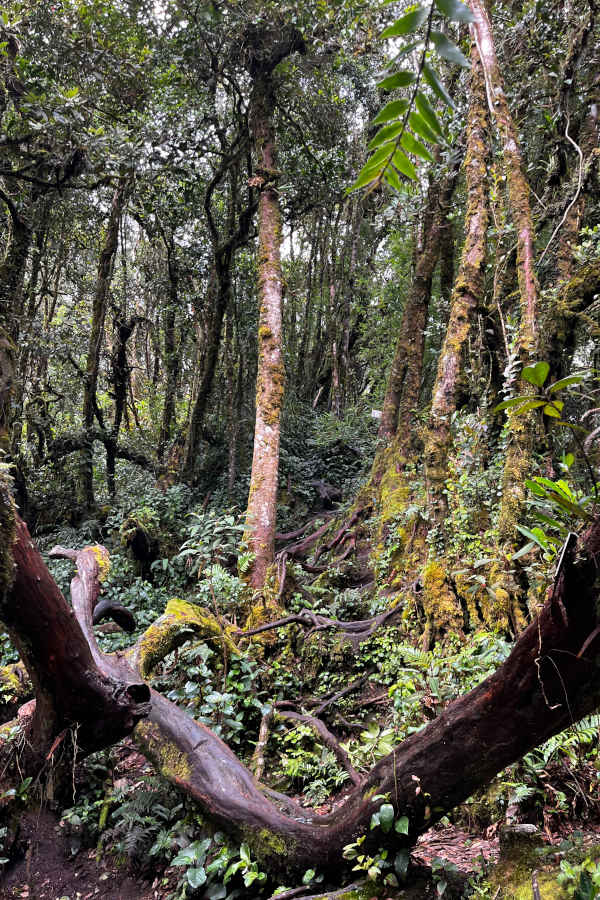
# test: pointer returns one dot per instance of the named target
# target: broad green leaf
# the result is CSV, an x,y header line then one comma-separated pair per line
x,y
245,854
533,536
375,821
383,154
536,374
196,877
455,10
553,409
401,826
386,817
418,124
565,382
407,24
426,110
433,80
404,165
412,145
447,49
399,80
392,178
535,488
524,550
365,177
528,406
392,110
308,876
387,133
508,404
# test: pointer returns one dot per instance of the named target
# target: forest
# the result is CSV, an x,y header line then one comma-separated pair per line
x,y
299,449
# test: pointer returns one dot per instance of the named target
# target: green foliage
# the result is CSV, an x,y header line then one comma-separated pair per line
x,y
581,881
309,766
389,162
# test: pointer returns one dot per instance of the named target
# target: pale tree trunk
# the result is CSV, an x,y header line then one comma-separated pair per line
x,y
467,296
268,49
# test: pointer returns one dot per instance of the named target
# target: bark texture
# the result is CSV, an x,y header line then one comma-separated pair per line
x,y
404,379
268,48
518,462
467,296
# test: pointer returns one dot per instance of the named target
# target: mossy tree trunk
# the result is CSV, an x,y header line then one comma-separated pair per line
x,y
519,455
467,296
225,246
268,47
404,380
12,271
99,306
123,330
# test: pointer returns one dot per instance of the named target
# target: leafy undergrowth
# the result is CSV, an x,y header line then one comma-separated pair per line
x,y
123,820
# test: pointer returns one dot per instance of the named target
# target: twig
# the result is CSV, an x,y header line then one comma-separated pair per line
x,y
347,690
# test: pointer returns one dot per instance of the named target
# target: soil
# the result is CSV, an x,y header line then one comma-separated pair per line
x,y
48,870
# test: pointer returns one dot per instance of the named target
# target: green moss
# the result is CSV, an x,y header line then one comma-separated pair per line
x,y
165,755
173,627
103,561
440,603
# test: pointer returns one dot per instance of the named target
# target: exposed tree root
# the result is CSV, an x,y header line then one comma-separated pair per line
x,y
356,632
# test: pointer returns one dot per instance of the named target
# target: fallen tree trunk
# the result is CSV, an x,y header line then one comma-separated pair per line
x,y
549,681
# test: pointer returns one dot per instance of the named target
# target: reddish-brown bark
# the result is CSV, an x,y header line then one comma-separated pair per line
x,y
404,379
267,48
71,689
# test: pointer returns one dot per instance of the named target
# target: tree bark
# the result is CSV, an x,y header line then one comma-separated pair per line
x,y
467,296
170,355
268,48
404,380
71,690
522,428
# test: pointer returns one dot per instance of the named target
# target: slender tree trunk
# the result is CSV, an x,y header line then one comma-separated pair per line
x,y
262,499
404,380
170,355
124,328
12,272
467,296
268,48
103,279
